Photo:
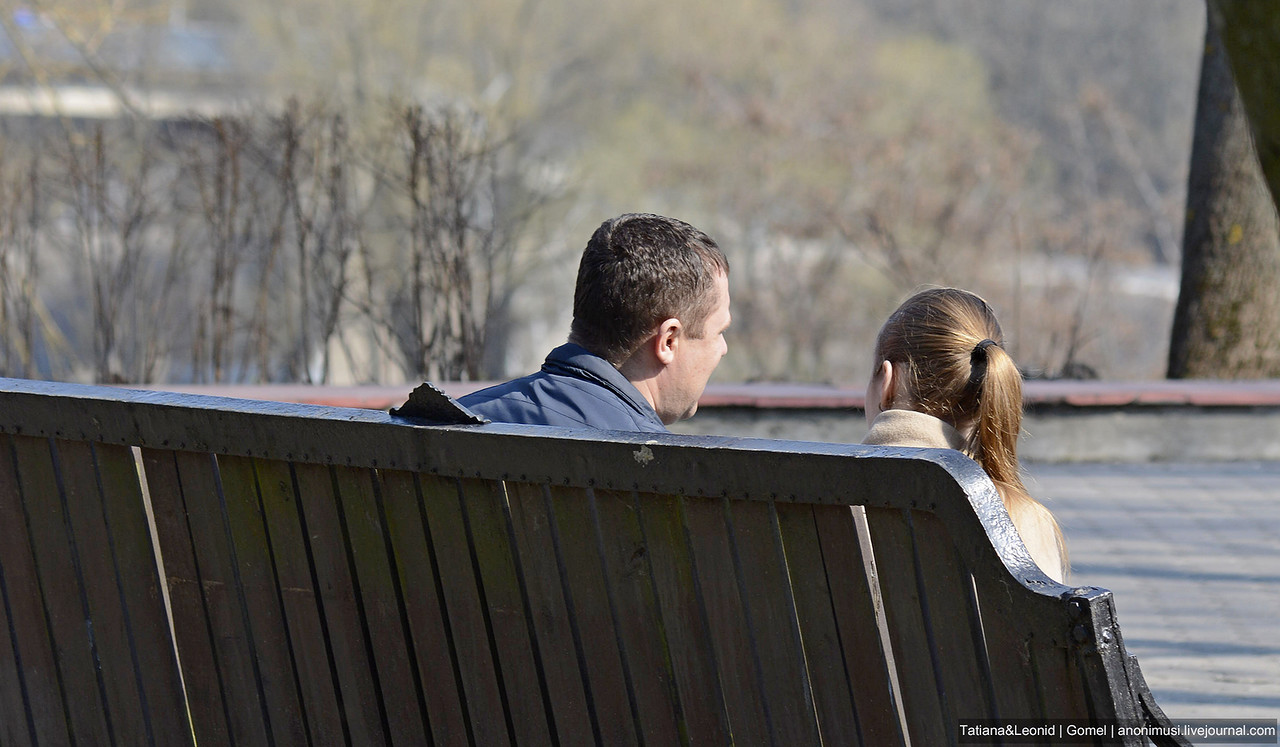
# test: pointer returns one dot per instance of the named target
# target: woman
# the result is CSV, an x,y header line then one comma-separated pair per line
x,y
943,380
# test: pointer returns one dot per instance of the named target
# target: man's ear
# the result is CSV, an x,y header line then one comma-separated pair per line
x,y
886,376
667,340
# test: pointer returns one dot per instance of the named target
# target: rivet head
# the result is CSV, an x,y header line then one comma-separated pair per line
x,y
1080,633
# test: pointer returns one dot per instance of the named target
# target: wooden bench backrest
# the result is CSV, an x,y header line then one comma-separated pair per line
x,y
337,576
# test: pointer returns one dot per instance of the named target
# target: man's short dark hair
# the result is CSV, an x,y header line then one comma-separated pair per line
x,y
638,270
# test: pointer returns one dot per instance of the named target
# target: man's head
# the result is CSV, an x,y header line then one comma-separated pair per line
x,y
652,299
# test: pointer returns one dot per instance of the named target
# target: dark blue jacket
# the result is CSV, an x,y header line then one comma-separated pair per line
x,y
575,388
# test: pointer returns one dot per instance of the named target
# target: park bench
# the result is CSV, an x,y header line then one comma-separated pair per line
x,y
179,569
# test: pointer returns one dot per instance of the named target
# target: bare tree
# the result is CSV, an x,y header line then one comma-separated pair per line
x,y
112,210
236,211
21,221
315,182
454,235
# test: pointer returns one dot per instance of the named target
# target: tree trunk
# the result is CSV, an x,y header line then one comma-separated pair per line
x,y
1227,321
1250,32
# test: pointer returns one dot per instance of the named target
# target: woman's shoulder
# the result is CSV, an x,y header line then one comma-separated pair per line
x,y
1039,531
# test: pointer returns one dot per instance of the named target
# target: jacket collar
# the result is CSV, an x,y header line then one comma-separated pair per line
x,y
574,360
911,428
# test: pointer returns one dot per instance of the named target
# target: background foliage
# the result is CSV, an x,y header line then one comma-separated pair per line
x,y
392,190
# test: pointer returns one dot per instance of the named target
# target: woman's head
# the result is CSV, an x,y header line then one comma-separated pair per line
x,y
941,353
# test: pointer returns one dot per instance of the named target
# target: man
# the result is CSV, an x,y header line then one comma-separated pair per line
x,y
649,315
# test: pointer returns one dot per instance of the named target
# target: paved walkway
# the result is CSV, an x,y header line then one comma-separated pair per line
x,y
1192,553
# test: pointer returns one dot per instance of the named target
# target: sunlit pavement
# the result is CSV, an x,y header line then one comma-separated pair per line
x,y
1192,553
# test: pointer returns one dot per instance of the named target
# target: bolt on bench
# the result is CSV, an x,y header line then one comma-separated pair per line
x,y
179,569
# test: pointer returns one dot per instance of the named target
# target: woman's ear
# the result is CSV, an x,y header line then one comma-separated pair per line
x,y
888,385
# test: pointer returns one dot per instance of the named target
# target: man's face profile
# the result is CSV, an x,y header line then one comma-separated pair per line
x,y
696,358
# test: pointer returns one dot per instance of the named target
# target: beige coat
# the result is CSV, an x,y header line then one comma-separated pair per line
x,y
911,428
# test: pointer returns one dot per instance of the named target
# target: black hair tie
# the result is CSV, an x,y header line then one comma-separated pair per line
x,y
981,348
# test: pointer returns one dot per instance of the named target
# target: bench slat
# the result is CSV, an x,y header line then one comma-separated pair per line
x,y
1024,649
419,582
953,621
300,603
776,636
727,619
143,594
257,586
130,625
202,677
823,649
635,604
63,588
489,535
18,728
854,602
105,618
896,562
111,561
348,638
216,610
1015,653
380,606
29,674
684,620
558,639
587,594
478,668
1062,691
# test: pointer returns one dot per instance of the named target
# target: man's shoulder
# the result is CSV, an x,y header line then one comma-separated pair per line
x,y
501,402
496,392
561,396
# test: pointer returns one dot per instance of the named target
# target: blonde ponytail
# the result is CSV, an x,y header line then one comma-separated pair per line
x,y
957,370
994,442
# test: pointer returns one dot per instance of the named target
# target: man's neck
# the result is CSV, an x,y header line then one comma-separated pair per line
x,y
642,372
